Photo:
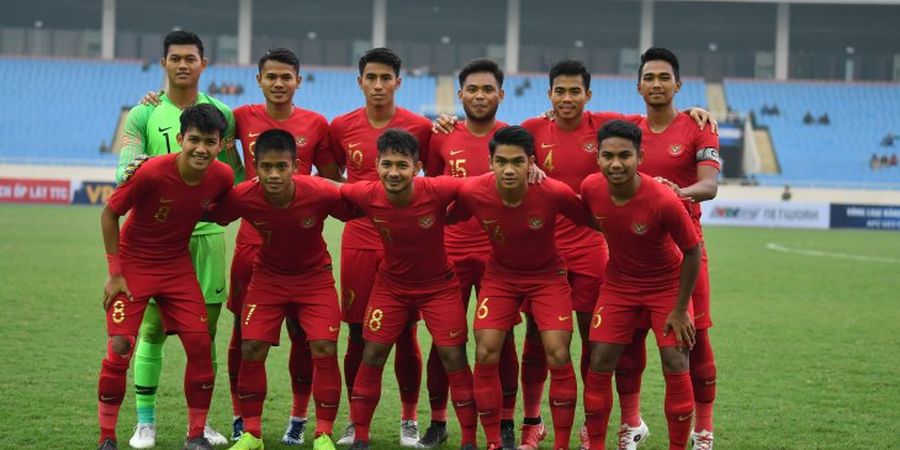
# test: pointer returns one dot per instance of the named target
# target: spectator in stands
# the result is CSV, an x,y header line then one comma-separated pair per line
x,y
310,78
212,89
874,162
884,161
765,110
893,160
824,120
786,195
808,118
104,148
888,140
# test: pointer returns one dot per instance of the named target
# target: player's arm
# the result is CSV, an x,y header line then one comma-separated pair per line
x,y
115,283
134,140
678,223
571,206
436,164
323,157
708,166
229,154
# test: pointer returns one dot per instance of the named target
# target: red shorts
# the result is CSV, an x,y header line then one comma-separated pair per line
x,y
358,269
502,295
241,270
175,290
586,266
617,316
310,298
469,269
395,303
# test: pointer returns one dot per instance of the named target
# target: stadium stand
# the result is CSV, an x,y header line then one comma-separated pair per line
x,y
836,154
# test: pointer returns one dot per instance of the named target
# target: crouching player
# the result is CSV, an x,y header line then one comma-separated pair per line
x,y
654,257
414,278
149,258
291,278
525,264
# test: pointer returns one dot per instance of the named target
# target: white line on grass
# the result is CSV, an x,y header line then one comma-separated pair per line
x,y
781,248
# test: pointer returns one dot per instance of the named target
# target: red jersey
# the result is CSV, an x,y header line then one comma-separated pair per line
x,y
413,235
522,238
570,156
292,240
310,130
644,235
353,145
164,210
677,152
461,154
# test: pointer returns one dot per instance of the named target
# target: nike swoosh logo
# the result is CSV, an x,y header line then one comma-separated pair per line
x,y
220,290
456,333
353,145
245,396
166,200
104,398
489,221
379,220
327,405
455,152
557,403
259,222
333,329
207,387
162,130
253,135
484,413
564,318
464,404
353,398
543,145
709,382
687,417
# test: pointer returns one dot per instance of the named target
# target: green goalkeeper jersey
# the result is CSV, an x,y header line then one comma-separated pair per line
x,y
151,130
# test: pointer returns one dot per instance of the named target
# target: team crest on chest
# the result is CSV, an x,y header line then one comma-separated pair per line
x,y
639,228
426,221
589,146
535,223
308,222
301,141
676,149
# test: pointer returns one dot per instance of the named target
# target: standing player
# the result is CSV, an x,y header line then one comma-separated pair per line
x,y
278,78
414,278
654,256
150,130
686,157
524,266
461,154
353,140
291,278
150,258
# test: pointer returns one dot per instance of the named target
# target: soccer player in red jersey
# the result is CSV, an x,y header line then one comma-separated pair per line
x,y
686,158
414,278
279,78
461,154
353,139
291,278
654,257
524,266
149,258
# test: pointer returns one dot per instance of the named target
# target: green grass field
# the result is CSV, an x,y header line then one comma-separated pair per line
x,y
807,346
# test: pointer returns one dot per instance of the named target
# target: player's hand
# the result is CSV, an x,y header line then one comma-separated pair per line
x,y
152,98
133,166
444,124
549,114
674,187
679,322
703,117
115,284
536,175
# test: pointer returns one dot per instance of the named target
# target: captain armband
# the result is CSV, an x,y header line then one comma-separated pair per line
x,y
709,154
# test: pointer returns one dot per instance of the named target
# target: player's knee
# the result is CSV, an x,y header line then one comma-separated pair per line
x,y
453,358
322,347
674,360
122,345
602,360
254,350
153,333
557,355
375,354
487,354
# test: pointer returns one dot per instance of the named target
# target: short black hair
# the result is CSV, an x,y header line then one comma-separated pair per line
x,y
181,37
281,55
275,140
571,67
481,65
205,118
512,135
399,141
620,129
382,55
659,54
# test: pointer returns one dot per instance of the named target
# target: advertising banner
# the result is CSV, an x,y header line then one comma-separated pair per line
x,y
14,190
766,214
874,217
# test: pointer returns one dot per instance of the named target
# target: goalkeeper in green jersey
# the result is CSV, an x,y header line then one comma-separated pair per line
x,y
150,130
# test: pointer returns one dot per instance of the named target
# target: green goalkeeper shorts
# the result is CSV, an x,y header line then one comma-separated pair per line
x,y
208,256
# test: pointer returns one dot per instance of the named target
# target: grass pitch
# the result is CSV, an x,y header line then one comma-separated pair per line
x,y
806,344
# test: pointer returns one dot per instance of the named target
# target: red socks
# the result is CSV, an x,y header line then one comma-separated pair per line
x,y
234,368
252,394
111,389
198,380
534,375
464,403
327,385
703,378
438,386
488,399
509,378
408,368
563,395
597,406
352,360
366,394
679,406
628,378
300,366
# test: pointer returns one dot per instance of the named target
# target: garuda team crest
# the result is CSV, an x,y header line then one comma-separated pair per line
x,y
675,149
426,222
301,141
308,222
639,228
535,223
589,146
